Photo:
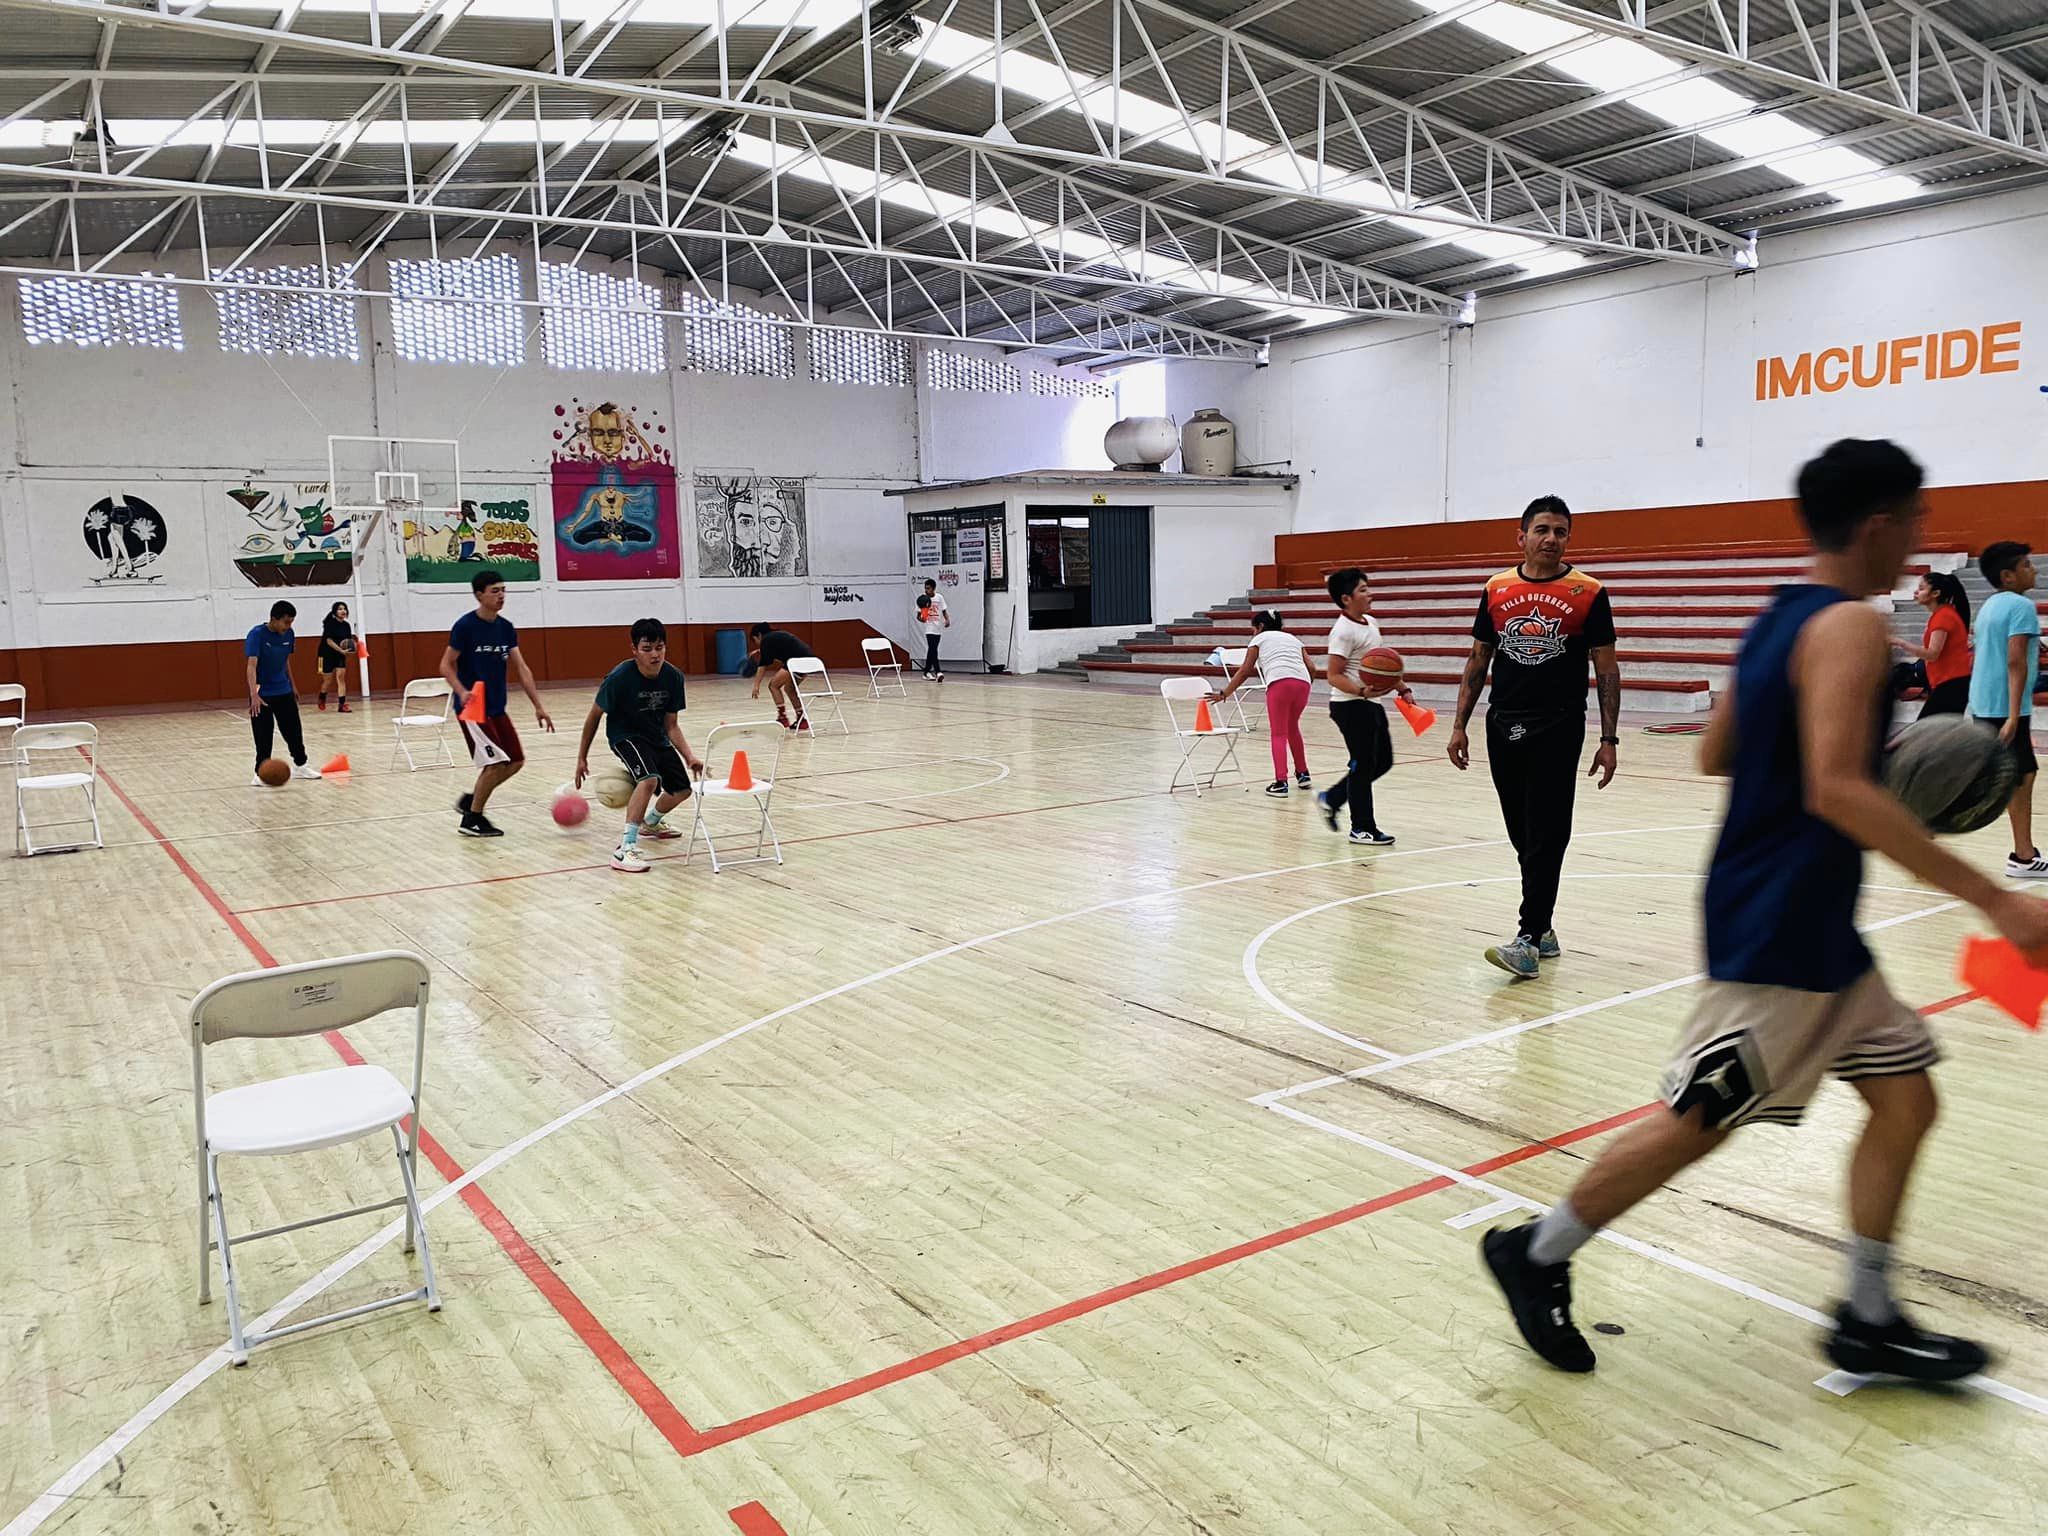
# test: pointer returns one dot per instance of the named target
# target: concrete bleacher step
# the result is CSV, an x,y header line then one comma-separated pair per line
x,y
1308,574
1661,695
1681,613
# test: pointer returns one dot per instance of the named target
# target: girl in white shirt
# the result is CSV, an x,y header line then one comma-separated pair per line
x,y
1362,721
1278,658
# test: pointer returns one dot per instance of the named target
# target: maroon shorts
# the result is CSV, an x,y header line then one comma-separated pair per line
x,y
499,730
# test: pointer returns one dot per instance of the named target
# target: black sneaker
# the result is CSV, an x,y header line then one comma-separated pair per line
x,y
1373,836
476,824
1540,1296
1301,781
1278,789
1898,1348
462,802
1329,811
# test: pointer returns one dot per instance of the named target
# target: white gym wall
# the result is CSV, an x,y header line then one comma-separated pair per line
x,y
1598,388
180,427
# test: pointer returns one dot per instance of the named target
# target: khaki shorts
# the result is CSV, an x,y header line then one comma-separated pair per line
x,y
1758,1053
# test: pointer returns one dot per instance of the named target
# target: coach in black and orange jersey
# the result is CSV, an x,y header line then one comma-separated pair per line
x,y
1539,624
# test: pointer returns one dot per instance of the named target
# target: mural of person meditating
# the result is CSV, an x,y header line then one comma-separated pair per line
x,y
614,499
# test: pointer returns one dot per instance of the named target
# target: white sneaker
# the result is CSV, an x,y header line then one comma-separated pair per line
x,y
305,771
257,780
627,861
2017,868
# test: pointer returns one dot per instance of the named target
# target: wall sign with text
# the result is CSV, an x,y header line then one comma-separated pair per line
x,y
1901,360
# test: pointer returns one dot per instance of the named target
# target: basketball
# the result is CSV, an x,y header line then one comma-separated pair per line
x,y
612,786
1952,772
570,808
274,771
1380,668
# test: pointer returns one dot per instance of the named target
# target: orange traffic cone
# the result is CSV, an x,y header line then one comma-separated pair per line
x,y
1202,720
2005,977
362,648
740,777
335,764
473,706
1419,719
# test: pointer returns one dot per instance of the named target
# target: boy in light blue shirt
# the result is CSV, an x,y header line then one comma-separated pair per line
x,y
2008,658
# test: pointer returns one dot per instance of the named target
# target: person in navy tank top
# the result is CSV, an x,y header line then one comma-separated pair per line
x,y
1792,994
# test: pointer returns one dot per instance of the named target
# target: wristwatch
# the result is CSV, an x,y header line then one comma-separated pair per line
x,y
1610,741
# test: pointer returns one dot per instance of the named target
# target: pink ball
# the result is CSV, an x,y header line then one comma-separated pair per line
x,y
571,810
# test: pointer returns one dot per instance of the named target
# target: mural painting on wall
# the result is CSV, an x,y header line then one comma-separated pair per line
x,y
750,525
293,539
128,536
614,487
494,527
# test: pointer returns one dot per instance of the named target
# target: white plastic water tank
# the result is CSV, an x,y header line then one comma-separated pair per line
x,y
1141,442
1208,444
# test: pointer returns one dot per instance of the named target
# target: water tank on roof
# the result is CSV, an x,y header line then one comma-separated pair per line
x,y
1208,444
1141,442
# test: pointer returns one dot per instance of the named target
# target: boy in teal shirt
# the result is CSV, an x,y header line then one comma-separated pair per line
x,y
2008,658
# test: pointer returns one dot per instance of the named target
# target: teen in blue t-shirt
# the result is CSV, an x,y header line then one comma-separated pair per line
x,y
482,648
2006,661
273,697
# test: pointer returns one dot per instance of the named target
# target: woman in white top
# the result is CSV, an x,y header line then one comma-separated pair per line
x,y
1277,656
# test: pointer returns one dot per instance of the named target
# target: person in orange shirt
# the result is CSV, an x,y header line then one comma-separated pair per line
x,y
1944,645
1542,624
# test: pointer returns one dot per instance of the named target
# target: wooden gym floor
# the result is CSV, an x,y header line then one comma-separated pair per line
x,y
1033,1152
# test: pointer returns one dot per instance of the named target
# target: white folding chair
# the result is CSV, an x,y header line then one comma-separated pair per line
x,y
13,712
1188,690
414,716
1255,684
801,667
880,655
713,785
65,744
307,1111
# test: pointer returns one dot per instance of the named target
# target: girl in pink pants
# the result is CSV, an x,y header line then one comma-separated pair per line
x,y
1277,657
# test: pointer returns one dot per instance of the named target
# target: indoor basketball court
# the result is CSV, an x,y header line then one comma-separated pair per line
x,y
1031,1150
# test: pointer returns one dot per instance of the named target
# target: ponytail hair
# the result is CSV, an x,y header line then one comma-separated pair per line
x,y
1266,619
1949,588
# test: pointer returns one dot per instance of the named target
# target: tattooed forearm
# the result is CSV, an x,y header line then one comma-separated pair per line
x,y
1473,680
1609,684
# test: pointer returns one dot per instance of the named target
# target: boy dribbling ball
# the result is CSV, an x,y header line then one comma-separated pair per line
x,y
638,702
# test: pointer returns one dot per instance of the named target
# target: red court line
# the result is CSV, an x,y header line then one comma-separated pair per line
x,y
1950,1002
753,1520
960,1349
611,1354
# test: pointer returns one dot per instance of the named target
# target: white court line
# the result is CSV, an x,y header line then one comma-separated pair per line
x,y
1509,1200
101,1455
1484,1213
1276,1095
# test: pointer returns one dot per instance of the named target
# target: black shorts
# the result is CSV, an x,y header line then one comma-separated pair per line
x,y
654,760
2022,747
330,662
1949,698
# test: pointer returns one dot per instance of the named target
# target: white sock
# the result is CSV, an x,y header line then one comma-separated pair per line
x,y
1559,1234
1870,1281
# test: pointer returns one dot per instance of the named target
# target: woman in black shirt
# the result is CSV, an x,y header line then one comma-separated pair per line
x,y
337,645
